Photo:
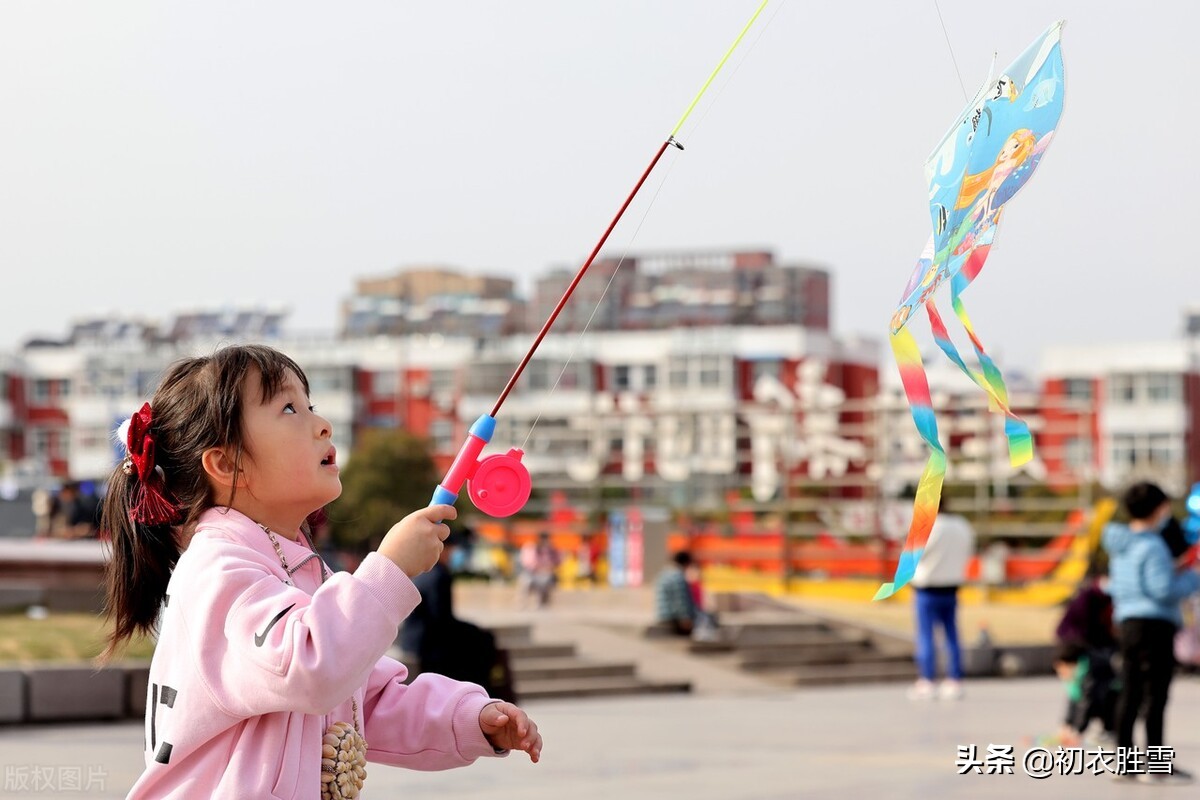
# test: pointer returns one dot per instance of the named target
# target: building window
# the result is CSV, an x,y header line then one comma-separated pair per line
x,y
544,376
1121,388
327,379
621,377
41,390
384,382
1165,450
1078,453
575,376
489,379
442,381
1078,388
677,372
1142,450
710,370
93,437
651,376
536,376
441,432
1124,450
39,442
1163,387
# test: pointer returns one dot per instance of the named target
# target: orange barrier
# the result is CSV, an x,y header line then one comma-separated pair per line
x,y
762,551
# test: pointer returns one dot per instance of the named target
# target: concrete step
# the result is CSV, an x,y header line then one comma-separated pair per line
x,y
510,635
595,687
778,639
786,657
534,650
800,639
868,672
709,648
771,632
541,669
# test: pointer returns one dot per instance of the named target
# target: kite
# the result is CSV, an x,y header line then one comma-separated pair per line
x,y
983,160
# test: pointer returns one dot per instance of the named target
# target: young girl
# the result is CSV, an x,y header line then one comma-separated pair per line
x,y
269,679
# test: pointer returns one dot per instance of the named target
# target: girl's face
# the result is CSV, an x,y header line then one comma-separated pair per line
x,y
288,459
1009,151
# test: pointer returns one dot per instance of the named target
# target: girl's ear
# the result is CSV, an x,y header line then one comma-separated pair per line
x,y
220,468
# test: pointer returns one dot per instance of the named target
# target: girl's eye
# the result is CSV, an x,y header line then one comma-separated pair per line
x,y
313,409
290,408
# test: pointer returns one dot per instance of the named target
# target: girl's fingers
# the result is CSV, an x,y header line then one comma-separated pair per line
x,y
441,512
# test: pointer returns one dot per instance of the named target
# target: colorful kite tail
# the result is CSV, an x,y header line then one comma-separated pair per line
x,y
929,490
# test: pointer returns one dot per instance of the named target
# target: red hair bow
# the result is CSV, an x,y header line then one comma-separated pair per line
x,y
150,504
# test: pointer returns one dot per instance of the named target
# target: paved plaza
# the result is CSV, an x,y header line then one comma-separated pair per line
x,y
847,742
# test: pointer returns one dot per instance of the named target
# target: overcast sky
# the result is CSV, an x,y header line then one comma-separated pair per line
x,y
158,156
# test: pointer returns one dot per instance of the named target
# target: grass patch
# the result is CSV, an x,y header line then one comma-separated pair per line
x,y
60,637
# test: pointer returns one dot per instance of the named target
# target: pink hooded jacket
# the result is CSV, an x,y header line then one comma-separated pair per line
x,y
249,671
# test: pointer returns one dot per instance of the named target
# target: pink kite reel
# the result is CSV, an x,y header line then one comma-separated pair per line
x,y
500,486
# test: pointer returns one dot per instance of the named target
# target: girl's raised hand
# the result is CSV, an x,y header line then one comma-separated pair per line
x,y
415,542
508,727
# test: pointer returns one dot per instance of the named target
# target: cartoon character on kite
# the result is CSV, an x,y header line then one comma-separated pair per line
x,y
981,163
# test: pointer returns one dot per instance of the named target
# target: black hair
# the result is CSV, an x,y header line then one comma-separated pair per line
x,y
1069,652
1142,499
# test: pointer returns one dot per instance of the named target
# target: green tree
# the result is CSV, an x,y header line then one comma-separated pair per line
x,y
390,475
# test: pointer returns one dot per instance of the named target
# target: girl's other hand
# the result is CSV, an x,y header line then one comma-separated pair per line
x,y
415,542
508,727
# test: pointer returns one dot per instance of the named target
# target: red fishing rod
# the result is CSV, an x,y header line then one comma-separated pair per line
x,y
499,485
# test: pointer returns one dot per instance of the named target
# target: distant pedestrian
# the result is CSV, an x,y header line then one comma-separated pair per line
x,y
1146,589
586,560
674,604
42,504
539,565
940,573
77,513
679,599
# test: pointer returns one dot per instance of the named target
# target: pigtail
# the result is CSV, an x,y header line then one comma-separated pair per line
x,y
139,517
138,567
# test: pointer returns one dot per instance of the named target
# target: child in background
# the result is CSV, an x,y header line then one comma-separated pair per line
x,y
269,677
1146,587
1086,646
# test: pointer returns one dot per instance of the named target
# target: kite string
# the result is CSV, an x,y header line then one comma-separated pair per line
x,y
950,47
600,301
629,244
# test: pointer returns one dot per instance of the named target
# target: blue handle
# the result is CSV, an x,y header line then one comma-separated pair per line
x,y
443,496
